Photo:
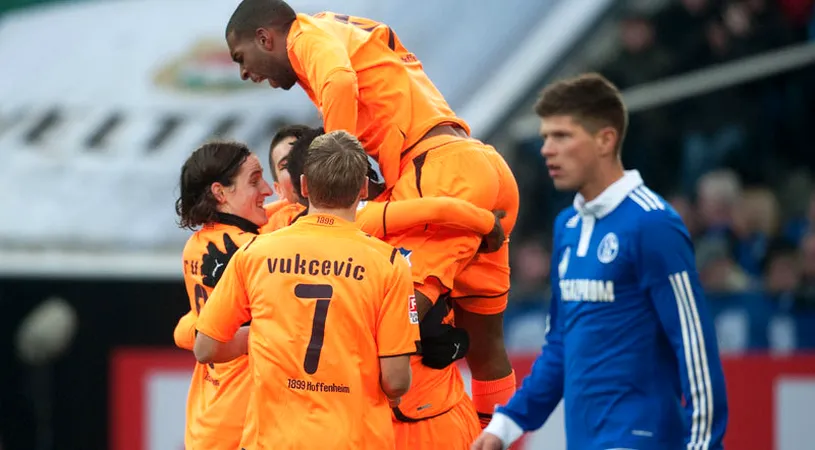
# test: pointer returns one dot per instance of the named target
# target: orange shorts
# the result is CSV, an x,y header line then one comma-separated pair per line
x,y
448,166
454,430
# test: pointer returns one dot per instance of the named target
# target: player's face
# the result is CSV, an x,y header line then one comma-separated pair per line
x,y
570,150
283,185
260,60
246,196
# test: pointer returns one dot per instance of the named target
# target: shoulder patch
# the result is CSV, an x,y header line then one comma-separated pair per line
x,y
406,254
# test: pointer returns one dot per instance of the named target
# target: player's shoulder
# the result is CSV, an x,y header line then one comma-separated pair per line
x,y
567,218
381,248
648,213
648,208
275,206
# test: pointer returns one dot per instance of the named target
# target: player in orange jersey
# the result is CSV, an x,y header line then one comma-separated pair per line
x,y
360,76
459,425
222,192
377,216
332,312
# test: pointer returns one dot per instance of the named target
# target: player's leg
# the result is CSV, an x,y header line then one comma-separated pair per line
x,y
444,166
480,298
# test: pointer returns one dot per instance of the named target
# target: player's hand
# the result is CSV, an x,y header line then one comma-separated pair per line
x,y
442,343
493,241
214,263
487,441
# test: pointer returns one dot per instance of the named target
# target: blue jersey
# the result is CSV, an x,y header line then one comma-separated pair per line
x,y
629,336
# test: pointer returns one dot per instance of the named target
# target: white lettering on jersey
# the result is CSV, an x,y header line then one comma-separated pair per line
x,y
586,291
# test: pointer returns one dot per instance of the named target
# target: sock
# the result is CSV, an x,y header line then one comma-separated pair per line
x,y
488,394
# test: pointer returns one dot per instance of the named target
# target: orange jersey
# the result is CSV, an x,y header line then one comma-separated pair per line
x,y
219,393
326,301
379,218
282,216
364,81
274,207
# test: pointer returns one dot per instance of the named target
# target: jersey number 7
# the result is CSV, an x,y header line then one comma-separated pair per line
x,y
322,293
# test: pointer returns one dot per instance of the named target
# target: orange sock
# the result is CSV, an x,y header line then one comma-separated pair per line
x,y
488,394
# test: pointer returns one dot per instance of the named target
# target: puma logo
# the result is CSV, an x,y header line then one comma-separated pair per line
x,y
458,347
217,266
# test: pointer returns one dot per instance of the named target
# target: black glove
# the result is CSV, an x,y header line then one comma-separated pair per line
x,y
214,263
442,344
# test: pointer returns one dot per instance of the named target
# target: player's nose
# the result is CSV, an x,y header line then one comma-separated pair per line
x,y
244,74
547,149
265,189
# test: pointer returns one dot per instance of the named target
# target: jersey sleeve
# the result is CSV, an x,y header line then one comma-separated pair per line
x,y
184,334
327,68
397,328
667,271
228,306
542,389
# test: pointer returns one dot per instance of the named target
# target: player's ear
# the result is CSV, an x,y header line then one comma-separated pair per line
x,y
363,193
303,186
217,190
606,138
264,38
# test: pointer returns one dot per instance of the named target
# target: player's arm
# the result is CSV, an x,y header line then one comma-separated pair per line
x,y
218,339
381,218
542,389
329,72
667,271
397,330
184,333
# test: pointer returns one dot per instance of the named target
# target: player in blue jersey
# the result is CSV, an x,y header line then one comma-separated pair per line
x,y
631,348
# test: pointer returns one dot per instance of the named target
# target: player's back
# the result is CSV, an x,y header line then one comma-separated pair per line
x,y
218,395
398,104
317,292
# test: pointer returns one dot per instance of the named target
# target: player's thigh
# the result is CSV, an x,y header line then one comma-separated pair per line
x,y
453,430
508,198
460,168
436,252
482,285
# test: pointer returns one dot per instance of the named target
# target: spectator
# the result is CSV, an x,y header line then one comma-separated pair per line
x,y
531,263
717,195
718,272
807,291
782,272
755,225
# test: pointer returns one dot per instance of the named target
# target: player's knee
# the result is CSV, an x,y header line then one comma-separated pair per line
x,y
487,358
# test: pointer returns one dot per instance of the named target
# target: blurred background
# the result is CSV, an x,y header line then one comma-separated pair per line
x,y
102,101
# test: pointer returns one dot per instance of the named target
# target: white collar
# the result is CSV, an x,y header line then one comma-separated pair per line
x,y
610,198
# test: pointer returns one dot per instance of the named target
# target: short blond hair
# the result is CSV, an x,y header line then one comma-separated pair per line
x,y
335,169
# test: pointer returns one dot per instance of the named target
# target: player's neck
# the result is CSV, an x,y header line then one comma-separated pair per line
x,y
604,178
349,214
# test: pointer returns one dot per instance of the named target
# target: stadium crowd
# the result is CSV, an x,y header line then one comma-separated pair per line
x,y
735,162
